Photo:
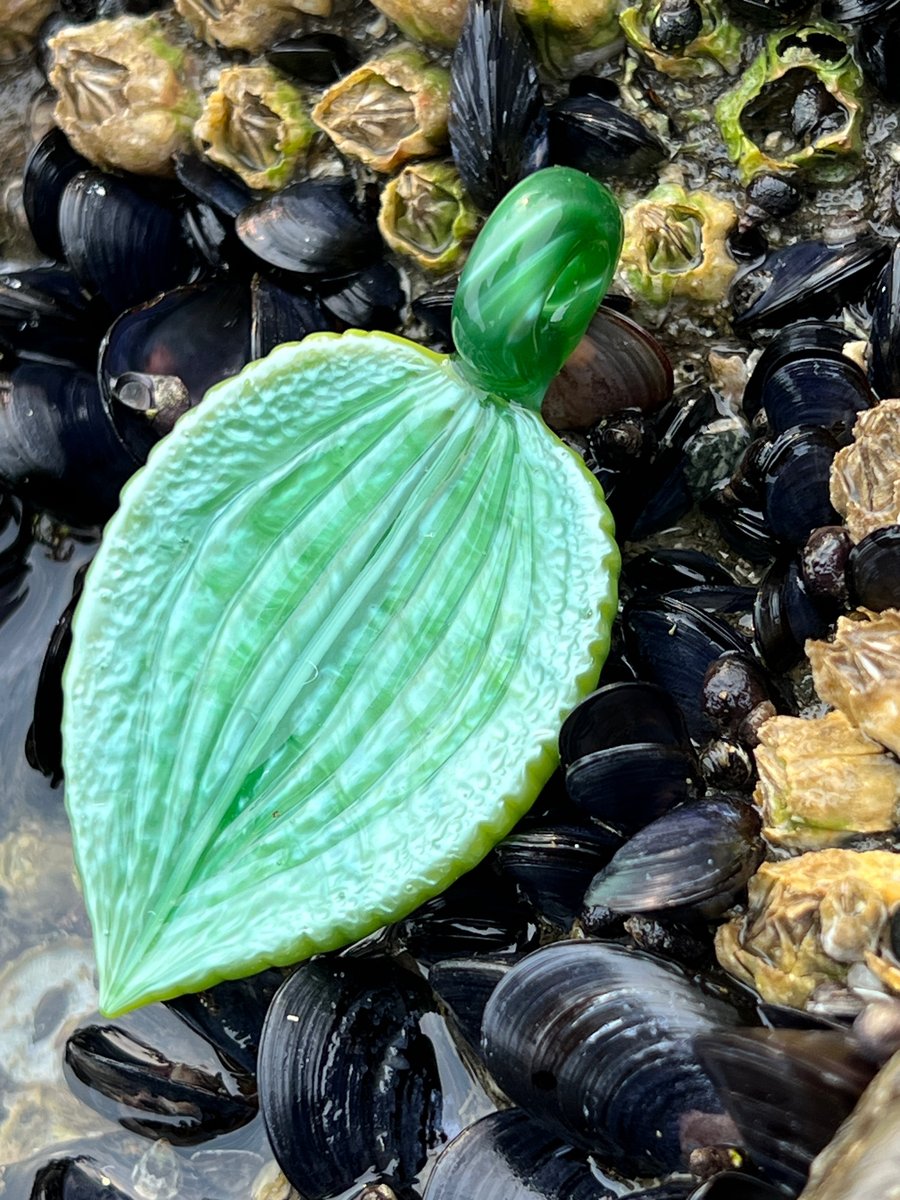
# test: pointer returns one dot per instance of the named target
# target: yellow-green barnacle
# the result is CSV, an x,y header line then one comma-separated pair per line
x,y
820,780
125,94
652,27
434,22
256,124
427,215
797,105
675,245
564,29
20,21
809,919
247,24
389,110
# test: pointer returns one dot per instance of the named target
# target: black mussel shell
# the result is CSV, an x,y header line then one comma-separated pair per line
x,y
44,317
124,241
311,228
666,569
15,539
595,1041
348,1081
797,481
873,570
810,279
498,122
221,190
802,340
464,985
732,1185
434,309
314,57
43,743
696,857
75,1179
552,866
281,315
481,913
592,135
151,1095
509,1156
617,365
372,299
787,1089
50,165
159,359
786,615
621,714
672,644
59,448
742,524
595,85
859,12
230,1016
830,391
884,342
769,13
875,50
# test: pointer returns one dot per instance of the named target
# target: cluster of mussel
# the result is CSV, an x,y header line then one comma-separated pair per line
x,y
556,1024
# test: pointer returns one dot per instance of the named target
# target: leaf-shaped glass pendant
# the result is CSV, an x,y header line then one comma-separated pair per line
x,y
325,649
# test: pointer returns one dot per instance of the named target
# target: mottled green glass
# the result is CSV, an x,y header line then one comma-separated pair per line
x,y
325,648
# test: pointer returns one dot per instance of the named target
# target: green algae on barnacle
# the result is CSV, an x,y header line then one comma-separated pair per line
x,y
820,780
330,636
389,110
754,116
247,24
426,215
126,94
256,124
675,245
716,48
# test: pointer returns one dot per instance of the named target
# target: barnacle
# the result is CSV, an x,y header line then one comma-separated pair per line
x,y
425,213
865,483
247,24
716,47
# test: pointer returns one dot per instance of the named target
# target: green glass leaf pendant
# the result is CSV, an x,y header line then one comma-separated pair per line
x,y
325,648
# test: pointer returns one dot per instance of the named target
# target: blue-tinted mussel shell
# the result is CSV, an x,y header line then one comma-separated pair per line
x,y
664,569
124,239
45,317
348,1082
810,279
697,857
595,1042
797,477
221,190
133,1083
800,340
79,1178
51,164
464,986
873,569
788,1090
498,122
592,135
314,228
786,615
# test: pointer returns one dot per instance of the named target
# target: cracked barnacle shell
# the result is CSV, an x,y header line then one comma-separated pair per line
x,y
389,110
675,246
714,47
247,24
256,124
809,919
822,779
797,105
435,22
565,29
126,99
865,483
426,214
857,672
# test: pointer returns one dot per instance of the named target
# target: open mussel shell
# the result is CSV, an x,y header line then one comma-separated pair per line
x,y
159,359
810,279
59,448
696,857
552,866
787,1089
595,1041
311,228
797,496
498,122
131,1082
509,1156
123,241
51,164
873,569
79,1178
592,135
617,365
672,644
348,1081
